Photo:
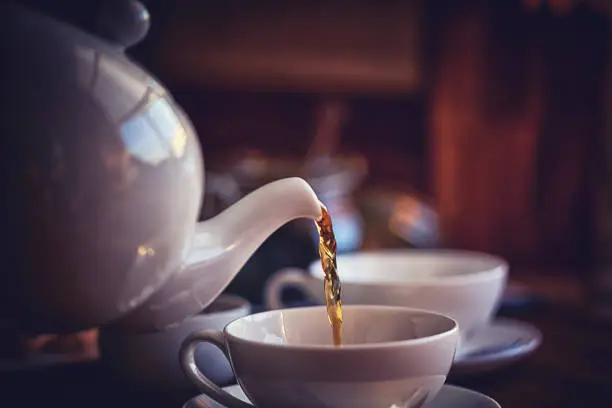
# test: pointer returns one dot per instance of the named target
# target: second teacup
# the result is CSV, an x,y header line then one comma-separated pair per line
x,y
462,284
390,356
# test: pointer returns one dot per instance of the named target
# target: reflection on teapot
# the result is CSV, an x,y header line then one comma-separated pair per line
x,y
103,180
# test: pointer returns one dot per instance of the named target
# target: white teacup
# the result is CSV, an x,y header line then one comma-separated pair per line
x,y
462,284
390,356
151,359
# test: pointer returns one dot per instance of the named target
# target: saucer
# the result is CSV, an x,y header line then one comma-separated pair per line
x,y
449,396
500,343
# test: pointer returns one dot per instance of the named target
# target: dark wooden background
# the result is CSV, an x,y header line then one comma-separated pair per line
x,y
499,122
499,117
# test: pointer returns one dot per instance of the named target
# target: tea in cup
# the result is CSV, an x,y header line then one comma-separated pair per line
x,y
390,356
150,359
464,285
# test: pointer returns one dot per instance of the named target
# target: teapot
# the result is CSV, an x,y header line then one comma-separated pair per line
x,y
103,181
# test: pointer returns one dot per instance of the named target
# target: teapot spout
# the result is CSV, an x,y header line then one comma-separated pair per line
x,y
239,230
221,247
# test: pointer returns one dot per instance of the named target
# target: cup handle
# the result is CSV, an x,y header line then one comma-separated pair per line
x,y
191,370
273,289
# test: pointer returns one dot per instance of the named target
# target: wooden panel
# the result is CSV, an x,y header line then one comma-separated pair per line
x,y
319,46
514,114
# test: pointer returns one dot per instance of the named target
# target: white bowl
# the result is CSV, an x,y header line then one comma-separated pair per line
x,y
462,284
390,356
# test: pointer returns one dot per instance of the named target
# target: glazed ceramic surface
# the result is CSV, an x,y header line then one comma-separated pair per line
x,y
389,357
103,180
464,285
498,344
449,397
334,181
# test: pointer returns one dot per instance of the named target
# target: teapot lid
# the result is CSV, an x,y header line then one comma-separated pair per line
x,y
121,22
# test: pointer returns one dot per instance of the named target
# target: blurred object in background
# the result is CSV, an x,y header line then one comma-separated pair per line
x,y
332,114
293,244
19,352
485,112
314,46
334,178
566,6
513,125
398,218
599,281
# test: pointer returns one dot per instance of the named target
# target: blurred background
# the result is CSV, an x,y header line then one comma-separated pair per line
x,y
466,124
473,124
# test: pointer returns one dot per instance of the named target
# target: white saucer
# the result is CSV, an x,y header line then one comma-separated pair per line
x,y
498,344
449,396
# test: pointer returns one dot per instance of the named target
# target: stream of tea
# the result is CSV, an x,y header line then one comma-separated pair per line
x,y
327,253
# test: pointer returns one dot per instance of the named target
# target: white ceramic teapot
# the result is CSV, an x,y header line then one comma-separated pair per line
x,y
103,179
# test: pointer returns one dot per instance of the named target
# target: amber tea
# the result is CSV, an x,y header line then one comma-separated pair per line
x,y
327,253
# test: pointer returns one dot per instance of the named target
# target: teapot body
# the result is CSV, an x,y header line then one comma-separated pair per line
x,y
102,178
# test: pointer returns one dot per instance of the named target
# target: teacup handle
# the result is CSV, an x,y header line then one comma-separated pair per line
x,y
273,289
191,370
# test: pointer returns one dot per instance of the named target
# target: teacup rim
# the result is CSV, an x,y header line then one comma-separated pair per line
x,y
347,347
496,272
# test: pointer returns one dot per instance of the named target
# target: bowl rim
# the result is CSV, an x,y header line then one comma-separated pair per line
x,y
453,330
497,271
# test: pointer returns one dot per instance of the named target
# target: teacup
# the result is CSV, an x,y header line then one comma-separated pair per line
x,y
150,359
390,357
462,284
